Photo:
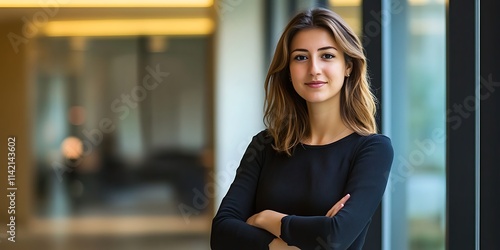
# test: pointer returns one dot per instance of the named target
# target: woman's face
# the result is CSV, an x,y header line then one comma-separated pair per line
x,y
317,66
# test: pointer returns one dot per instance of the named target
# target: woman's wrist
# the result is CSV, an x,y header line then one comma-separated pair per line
x,y
271,221
279,244
268,220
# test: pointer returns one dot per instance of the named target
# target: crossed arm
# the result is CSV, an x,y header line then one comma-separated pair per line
x,y
270,221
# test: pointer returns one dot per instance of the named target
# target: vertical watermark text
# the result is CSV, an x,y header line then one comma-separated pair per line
x,y
11,188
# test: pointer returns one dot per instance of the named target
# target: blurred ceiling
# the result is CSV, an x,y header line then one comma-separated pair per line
x,y
17,14
127,17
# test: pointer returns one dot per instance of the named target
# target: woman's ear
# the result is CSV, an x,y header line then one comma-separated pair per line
x,y
348,68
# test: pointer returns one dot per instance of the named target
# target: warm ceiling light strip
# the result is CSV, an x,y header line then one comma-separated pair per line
x,y
339,3
347,3
128,27
106,3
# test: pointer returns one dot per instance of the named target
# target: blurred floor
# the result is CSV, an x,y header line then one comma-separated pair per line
x,y
112,233
149,242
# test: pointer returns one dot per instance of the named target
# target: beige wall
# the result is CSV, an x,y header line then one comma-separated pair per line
x,y
239,86
15,121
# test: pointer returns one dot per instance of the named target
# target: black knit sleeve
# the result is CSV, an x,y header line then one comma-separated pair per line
x,y
229,228
366,183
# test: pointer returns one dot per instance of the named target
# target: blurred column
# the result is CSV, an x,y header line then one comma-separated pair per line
x,y
461,127
239,85
145,106
489,123
278,12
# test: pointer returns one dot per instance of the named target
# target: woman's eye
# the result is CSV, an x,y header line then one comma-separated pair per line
x,y
300,58
328,56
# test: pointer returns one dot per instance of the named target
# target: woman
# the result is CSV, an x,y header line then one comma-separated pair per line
x,y
315,176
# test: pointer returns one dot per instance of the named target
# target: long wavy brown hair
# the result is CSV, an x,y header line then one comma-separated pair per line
x,y
285,115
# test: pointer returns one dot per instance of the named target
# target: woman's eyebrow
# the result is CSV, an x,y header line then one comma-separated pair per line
x,y
322,48
304,50
327,47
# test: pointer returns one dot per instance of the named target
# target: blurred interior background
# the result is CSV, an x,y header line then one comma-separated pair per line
x,y
131,116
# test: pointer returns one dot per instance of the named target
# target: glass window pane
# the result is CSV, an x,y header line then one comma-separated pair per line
x,y
416,115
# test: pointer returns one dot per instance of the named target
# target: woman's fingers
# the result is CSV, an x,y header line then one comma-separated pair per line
x,y
339,205
345,198
334,210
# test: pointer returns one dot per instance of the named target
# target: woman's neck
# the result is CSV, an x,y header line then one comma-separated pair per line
x,y
326,125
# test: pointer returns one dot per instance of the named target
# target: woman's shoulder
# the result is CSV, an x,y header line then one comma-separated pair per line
x,y
258,146
381,138
261,140
374,142
371,138
263,136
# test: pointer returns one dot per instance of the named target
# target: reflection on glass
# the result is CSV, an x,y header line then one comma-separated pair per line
x,y
427,67
417,121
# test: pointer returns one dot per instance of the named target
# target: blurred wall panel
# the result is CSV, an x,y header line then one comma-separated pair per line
x,y
15,100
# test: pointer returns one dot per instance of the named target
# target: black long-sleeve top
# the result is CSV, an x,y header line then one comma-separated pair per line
x,y
305,186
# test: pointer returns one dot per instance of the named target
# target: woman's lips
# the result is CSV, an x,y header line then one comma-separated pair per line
x,y
315,84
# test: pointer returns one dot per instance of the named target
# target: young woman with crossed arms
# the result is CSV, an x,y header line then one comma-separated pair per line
x,y
315,176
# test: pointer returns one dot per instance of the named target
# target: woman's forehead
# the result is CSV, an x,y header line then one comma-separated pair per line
x,y
313,38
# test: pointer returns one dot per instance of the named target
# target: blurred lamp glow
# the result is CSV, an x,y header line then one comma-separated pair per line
x,y
72,147
130,27
106,3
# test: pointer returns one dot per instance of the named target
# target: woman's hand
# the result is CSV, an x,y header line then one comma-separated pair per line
x,y
339,205
279,244
271,221
268,220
